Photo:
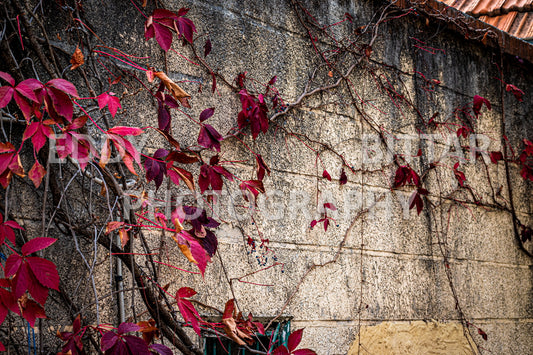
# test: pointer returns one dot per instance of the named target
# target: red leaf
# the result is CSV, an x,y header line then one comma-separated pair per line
x,y
36,174
187,309
294,340
37,244
254,186
64,86
13,263
21,280
185,292
111,101
516,92
229,309
161,349
313,223
37,291
326,175
125,131
6,93
304,352
45,271
7,78
478,102
330,206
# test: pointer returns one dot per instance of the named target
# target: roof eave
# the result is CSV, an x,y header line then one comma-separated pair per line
x,y
472,28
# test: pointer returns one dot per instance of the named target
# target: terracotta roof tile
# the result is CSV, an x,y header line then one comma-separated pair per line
x,y
512,16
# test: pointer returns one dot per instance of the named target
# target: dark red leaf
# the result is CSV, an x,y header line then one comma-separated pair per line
x,y
343,179
416,200
261,167
516,92
208,112
281,350
313,223
207,47
31,311
495,157
326,175
478,102
482,333
294,340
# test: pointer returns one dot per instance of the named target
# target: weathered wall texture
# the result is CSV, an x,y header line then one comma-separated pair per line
x,y
399,277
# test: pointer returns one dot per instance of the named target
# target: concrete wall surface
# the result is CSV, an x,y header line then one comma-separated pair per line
x,y
407,282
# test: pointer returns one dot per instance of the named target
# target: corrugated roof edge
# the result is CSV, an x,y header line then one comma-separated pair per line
x,y
470,27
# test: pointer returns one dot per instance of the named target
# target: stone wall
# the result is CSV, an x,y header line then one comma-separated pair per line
x,y
390,269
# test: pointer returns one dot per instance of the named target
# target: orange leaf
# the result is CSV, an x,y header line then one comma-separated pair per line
x,y
124,236
105,154
178,93
149,330
77,59
111,226
187,252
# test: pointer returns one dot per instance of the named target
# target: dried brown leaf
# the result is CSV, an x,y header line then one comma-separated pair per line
x,y
77,59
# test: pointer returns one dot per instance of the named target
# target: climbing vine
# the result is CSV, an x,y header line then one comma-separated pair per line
x,y
68,144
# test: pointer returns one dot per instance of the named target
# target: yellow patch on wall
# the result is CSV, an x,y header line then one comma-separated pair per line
x,y
419,337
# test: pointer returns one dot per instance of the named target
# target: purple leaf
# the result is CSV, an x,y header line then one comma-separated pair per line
x,y
161,349
127,328
208,112
109,340
163,117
